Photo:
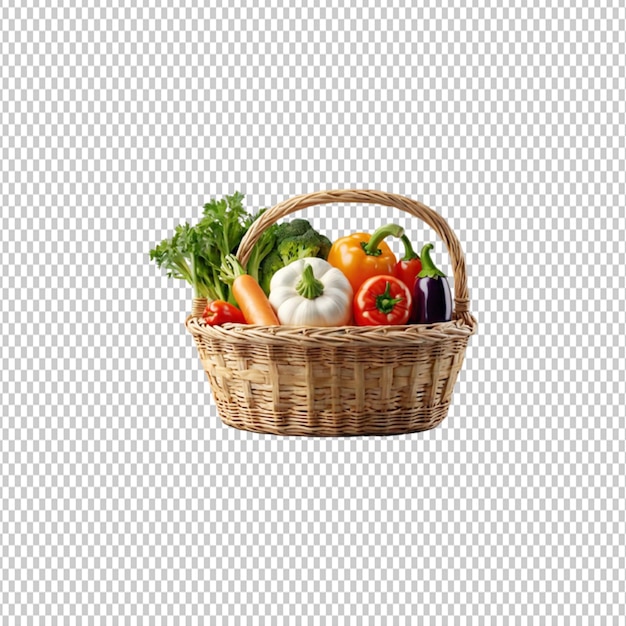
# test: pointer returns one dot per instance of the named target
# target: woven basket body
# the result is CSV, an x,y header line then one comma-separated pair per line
x,y
337,381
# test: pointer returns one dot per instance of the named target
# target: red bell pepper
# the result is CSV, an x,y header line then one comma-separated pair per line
x,y
409,266
407,269
382,300
219,312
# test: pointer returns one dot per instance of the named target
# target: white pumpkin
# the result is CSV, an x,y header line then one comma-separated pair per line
x,y
311,292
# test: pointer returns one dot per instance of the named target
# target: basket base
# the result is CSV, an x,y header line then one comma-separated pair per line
x,y
325,383
346,425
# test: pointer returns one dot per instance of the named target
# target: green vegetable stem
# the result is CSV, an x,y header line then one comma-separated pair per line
x,y
309,286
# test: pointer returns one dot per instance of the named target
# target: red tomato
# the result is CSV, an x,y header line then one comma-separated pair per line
x,y
219,312
382,300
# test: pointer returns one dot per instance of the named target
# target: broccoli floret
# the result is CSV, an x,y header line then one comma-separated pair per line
x,y
294,228
298,247
292,241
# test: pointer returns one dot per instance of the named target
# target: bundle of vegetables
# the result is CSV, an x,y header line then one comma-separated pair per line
x,y
361,283
388,291
296,276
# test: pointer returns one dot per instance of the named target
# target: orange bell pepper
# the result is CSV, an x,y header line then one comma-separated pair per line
x,y
360,255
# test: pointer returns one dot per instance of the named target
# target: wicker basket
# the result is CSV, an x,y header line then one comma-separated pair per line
x,y
337,381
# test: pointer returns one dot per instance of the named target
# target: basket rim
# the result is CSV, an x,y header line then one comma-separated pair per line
x,y
320,336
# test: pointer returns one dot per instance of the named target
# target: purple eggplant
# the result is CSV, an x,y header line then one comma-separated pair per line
x,y
432,300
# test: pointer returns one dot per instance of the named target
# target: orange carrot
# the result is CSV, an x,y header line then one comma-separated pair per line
x,y
252,301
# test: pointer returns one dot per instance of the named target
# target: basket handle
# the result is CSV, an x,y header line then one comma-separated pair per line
x,y
366,196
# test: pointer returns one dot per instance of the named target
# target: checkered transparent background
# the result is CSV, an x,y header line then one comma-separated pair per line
x,y
122,497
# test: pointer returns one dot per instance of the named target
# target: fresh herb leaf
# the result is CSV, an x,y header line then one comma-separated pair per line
x,y
196,253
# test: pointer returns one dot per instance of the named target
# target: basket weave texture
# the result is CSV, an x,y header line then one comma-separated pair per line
x,y
349,380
